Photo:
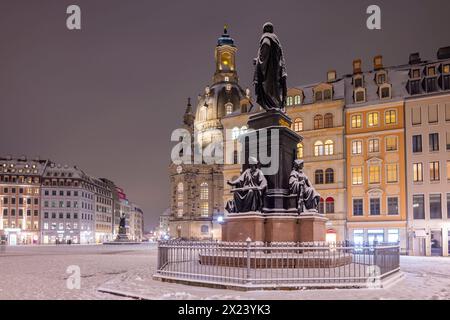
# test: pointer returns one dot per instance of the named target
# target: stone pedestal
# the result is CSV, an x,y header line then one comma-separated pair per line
x,y
239,227
311,227
260,227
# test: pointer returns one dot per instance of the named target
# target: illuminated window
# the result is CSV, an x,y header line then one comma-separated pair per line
x,y
392,173
374,173
229,108
297,99
434,171
446,68
299,151
356,147
226,59
318,148
448,170
356,121
204,191
328,120
372,119
357,177
329,148
204,209
289,101
180,190
318,122
391,143
243,130
417,172
298,125
390,116
374,145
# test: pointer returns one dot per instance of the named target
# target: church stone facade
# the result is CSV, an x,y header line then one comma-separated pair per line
x,y
197,190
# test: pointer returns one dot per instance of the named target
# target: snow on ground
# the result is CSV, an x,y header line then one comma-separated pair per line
x,y
39,272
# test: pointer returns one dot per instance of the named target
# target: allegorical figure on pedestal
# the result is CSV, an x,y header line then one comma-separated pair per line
x,y
270,71
248,190
307,197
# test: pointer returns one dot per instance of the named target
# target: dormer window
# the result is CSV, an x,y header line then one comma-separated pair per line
x,y
431,71
318,96
384,91
446,68
289,101
327,94
297,99
357,81
415,73
360,95
381,78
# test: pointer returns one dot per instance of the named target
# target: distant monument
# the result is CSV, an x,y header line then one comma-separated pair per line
x,y
281,206
122,237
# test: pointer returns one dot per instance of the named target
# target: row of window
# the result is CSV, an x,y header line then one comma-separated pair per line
x,y
435,172
61,226
373,119
435,206
375,206
374,173
319,95
373,145
61,215
432,112
20,201
6,212
320,122
14,190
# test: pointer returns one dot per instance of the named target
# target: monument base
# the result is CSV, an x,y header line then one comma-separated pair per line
x,y
260,227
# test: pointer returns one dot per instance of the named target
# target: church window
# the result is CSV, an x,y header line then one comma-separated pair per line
x,y
203,113
228,108
204,191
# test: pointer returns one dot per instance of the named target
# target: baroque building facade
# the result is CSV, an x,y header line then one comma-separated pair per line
x,y
375,143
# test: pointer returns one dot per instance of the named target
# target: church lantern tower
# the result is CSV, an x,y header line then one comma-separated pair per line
x,y
225,55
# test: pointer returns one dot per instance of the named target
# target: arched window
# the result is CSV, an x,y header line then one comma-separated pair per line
x,y
328,120
321,206
318,148
297,99
229,108
329,175
318,174
244,130
318,121
299,150
204,191
329,205
203,113
329,147
298,125
289,101
235,133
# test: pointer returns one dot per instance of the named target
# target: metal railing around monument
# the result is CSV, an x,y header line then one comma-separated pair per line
x,y
276,265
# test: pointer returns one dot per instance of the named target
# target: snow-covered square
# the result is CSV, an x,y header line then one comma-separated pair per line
x,y
125,272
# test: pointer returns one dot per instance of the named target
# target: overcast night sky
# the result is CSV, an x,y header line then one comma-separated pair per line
x,y
107,98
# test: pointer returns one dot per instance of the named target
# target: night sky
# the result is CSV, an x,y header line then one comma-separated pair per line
x,y
107,98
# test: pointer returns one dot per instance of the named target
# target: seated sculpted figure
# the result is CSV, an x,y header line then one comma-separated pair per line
x,y
307,197
248,190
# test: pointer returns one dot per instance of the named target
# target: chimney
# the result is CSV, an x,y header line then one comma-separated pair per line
x,y
414,58
357,66
378,62
331,75
443,53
